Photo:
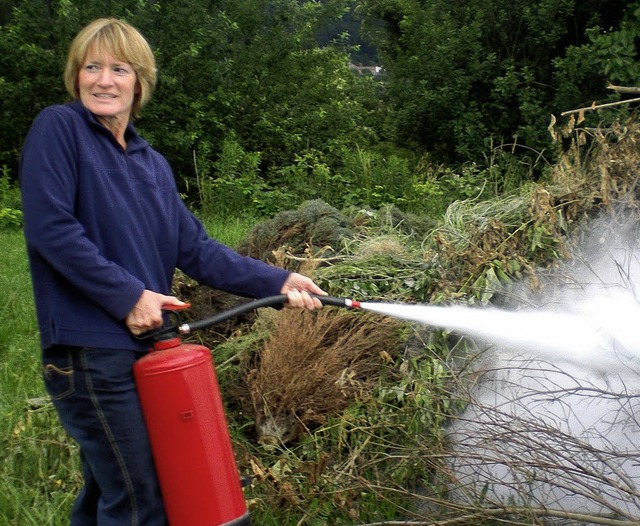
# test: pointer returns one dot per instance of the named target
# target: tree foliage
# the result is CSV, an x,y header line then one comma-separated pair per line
x,y
226,70
256,107
461,73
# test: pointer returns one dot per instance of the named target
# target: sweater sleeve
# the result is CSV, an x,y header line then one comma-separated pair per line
x,y
49,179
216,265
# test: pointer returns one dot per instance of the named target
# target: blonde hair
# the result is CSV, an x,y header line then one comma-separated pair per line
x,y
124,42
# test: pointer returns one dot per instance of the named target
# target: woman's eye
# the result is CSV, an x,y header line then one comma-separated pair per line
x,y
121,70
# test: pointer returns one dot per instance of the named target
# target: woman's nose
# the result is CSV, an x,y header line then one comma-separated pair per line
x,y
105,77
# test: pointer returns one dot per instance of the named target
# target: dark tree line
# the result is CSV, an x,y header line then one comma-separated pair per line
x,y
256,106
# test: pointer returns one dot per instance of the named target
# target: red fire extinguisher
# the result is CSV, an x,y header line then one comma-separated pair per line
x,y
189,437
187,427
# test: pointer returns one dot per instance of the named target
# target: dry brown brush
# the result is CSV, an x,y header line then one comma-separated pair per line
x,y
313,365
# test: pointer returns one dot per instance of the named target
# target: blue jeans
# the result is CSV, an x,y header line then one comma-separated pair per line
x,y
95,396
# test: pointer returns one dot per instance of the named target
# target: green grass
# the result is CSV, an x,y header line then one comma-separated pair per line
x,y
38,468
18,333
229,230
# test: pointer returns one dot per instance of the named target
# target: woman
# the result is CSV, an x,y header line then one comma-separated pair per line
x,y
105,230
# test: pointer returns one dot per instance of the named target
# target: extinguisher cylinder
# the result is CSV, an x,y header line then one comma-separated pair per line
x,y
189,436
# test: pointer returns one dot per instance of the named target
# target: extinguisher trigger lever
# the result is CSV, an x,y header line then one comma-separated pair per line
x,y
171,327
175,308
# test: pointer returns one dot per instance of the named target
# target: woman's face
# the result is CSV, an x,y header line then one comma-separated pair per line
x,y
107,86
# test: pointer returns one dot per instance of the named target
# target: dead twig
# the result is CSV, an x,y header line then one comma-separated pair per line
x,y
630,90
595,106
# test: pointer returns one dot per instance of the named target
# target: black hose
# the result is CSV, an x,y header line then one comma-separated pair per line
x,y
176,328
269,301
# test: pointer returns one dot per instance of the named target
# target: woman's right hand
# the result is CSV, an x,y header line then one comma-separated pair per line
x,y
147,312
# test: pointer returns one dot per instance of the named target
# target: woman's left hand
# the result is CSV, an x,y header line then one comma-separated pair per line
x,y
298,289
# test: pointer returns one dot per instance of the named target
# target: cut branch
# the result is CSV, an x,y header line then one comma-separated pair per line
x,y
628,90
595,106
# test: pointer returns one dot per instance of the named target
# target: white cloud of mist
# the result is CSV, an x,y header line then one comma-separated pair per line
x,y
558,426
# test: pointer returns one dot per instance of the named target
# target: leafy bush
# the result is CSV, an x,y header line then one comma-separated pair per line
x,y
235,183
435,187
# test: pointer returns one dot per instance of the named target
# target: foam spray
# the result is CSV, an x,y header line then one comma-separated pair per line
x,y
597,334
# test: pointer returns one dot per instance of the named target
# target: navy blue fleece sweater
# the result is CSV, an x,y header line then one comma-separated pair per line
x,y
103,223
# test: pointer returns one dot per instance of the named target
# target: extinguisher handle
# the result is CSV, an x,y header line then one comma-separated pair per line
x,y
173,320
